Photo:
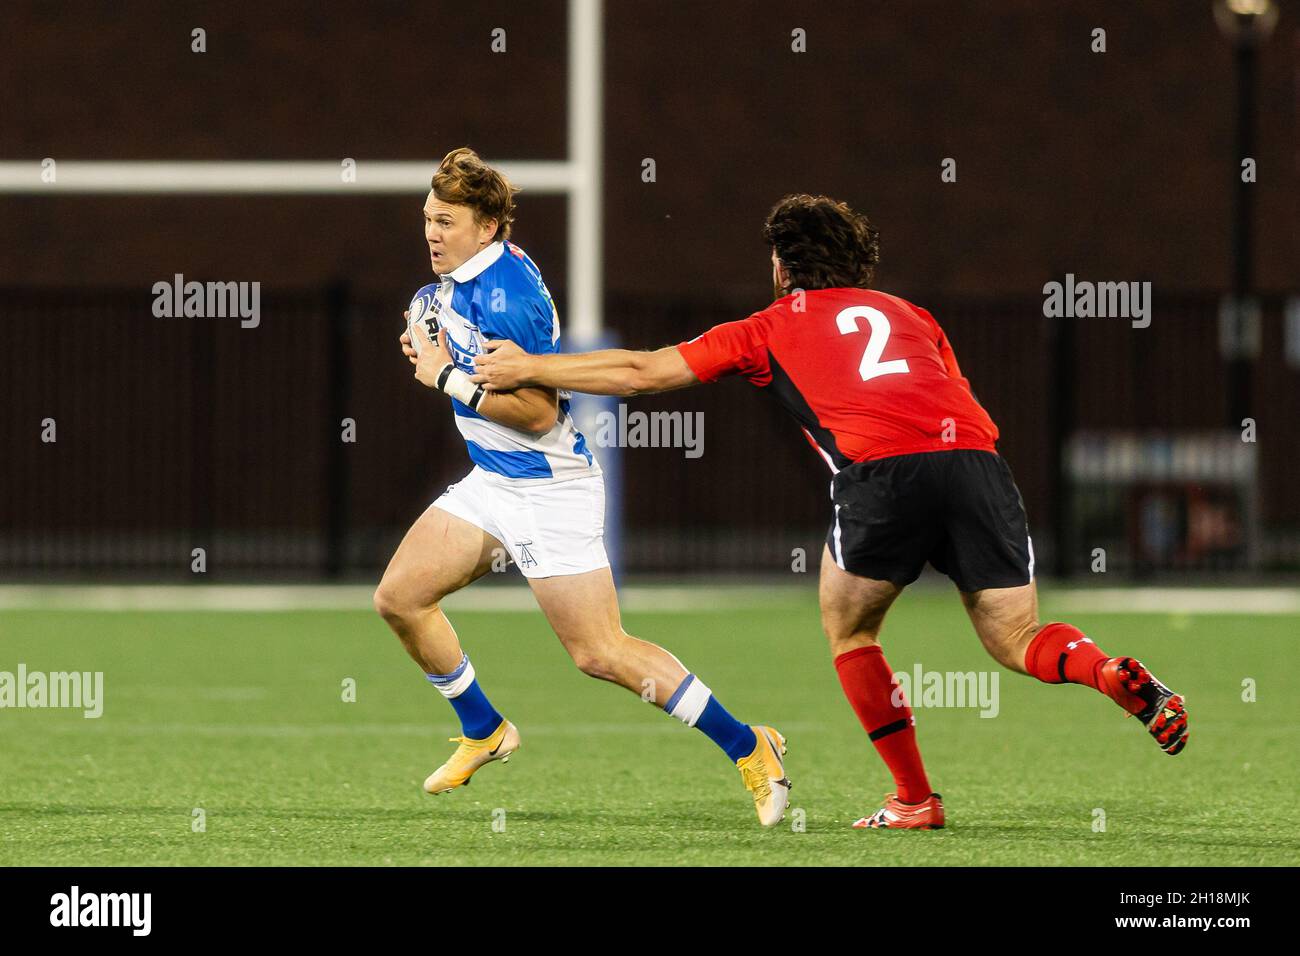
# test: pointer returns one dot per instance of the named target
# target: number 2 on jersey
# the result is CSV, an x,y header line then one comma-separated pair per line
x,y
871,366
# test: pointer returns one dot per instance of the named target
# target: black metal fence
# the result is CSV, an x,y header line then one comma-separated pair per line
x,y
131,440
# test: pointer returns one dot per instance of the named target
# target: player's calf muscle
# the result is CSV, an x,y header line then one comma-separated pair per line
x,y
641,666
583,611
1006,620
1007,647
603,650
853,607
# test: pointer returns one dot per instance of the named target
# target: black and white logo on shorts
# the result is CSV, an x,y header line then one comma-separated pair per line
x,y
526,559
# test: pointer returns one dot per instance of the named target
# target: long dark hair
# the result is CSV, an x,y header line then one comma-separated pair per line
x,y
822,243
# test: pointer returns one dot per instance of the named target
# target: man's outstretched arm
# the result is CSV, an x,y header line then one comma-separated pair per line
x,y
506,366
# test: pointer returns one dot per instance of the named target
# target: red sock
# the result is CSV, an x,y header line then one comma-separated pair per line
x,y
870,687
1061,654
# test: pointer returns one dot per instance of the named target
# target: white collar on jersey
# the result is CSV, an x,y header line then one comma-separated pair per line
x,y
475,264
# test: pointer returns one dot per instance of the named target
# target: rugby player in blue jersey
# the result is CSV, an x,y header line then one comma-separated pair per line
x,y
536,491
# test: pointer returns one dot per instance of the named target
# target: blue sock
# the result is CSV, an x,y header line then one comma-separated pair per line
x,y
694,704
478,718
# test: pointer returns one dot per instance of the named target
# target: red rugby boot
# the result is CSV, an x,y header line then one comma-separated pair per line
x,y
896,815
1126,681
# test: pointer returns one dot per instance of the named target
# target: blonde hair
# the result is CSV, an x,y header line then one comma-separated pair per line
x,y
462,178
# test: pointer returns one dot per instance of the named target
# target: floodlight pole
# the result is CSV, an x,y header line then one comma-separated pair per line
x,y
1247,24
1239,371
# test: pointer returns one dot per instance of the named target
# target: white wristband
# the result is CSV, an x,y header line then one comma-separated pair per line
x,y
456,383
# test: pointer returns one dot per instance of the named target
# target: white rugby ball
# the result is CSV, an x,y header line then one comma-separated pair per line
x,y
421,312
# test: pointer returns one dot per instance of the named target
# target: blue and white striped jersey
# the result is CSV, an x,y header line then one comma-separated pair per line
x,y
499,294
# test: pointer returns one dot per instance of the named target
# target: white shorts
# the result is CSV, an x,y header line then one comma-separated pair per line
x,y
548,528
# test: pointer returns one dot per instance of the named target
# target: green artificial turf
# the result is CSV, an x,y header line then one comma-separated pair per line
x,y
241,715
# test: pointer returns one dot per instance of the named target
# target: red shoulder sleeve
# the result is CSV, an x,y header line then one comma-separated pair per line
x,y
731,348
945,349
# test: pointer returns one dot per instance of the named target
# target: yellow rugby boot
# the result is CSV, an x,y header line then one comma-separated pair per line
x,y
472,754
763,772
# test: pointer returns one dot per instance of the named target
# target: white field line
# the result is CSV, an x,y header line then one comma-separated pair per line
x,y
358,597
1208,600
636,598
433,728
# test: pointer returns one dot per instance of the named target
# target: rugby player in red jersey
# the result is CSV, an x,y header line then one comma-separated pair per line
x,y
874,384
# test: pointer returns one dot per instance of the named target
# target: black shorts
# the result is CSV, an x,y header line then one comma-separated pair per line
x,y
960,510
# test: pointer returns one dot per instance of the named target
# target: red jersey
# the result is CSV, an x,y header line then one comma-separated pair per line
x,y
868,375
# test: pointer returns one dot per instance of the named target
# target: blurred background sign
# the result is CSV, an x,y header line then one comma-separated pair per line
x,y
1164,501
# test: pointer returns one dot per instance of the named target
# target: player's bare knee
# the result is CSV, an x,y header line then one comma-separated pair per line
x,y
385,601
595,663
396,604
